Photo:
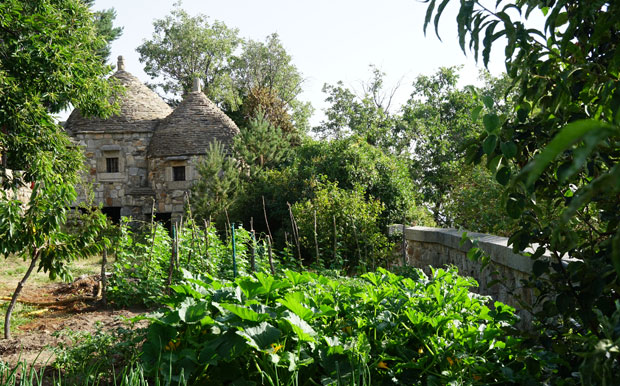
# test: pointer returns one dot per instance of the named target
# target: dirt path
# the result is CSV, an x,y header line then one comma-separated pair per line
x,y
59,306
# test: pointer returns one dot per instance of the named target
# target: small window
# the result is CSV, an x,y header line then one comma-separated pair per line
x,y
111,165
178,173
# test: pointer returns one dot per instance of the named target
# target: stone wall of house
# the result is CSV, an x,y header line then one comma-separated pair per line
x,y
129,187
170,195
22,193
501,279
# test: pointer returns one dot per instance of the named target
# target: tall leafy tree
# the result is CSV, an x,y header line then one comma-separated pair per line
x,y
104,22
367,115
48,60
183,47
268,81
436,124
559,151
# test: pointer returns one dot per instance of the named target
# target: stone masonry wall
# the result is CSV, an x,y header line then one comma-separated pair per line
x,y
501,279
129,188
170,195
22,194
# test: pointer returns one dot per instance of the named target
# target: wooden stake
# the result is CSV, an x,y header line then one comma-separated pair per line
x,y
266,221
104,280
316,242
295,233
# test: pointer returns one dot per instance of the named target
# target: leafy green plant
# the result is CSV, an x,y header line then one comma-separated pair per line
x,y
93,357
556,154
306,328
348,230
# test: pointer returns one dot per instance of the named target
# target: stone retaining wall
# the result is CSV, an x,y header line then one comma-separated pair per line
x,y
439,247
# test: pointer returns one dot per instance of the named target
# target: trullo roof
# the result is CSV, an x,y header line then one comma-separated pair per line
x,y
140,108
191,127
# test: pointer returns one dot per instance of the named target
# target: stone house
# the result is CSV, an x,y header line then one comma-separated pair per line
x,y
147,157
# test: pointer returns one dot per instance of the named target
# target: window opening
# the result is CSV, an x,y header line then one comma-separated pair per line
x,y
111,165
178,173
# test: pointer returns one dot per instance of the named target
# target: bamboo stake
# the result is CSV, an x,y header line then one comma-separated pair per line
x,y
273,270
316,242
404,246
153,232
191,217
357,242
266,221
295,233
104,282
206,243
253,249
335,239
172,258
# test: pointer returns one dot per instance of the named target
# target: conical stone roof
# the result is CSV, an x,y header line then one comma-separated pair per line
x,y
140,108
190,128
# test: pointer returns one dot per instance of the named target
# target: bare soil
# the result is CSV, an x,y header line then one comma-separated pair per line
x,y
76,306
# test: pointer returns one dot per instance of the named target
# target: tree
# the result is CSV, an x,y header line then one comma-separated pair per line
x,y
261,145
183,47
353,161
267,80
559,152
48,60
367,115
216,189
436,124
104,22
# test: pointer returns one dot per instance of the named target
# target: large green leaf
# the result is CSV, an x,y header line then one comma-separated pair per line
x,y
245,313
292,302
301,328
262,336
564,140
194,313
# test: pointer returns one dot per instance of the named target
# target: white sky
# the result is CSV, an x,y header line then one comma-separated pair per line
x,y
329,40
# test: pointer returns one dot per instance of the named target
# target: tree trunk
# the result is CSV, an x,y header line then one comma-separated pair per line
x,y
18,290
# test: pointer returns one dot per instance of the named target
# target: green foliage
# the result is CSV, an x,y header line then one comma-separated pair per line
x,y
475,203
436,124
376,329
183,47
92,357
262,145
49,61
216,189
268,81
367,116
348,235
558,154
353,161
140,269
144,255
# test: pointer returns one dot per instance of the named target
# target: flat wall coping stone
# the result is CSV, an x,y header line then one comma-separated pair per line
x,y
495,246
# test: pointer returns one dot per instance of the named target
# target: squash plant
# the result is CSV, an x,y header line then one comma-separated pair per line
x,y
308,328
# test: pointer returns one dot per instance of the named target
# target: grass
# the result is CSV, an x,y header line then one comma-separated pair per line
x,y
13,270
21,315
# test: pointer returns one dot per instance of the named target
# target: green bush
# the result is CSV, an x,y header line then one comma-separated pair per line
x,y
348,228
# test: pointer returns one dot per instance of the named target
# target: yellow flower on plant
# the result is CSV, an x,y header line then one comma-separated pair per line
x,y
420,350
382,365
450,361
276,347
